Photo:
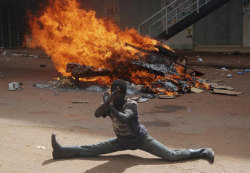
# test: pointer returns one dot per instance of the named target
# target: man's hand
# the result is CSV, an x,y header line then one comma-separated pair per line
x,y
105,96
115,93
102,110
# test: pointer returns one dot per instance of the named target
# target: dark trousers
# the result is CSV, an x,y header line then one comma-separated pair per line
x,y
149,145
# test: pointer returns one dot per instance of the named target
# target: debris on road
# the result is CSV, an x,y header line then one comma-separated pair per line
x,y
141,100
66,83
94,88
13,86
40,147
196,90
223,69
41,85
216,86
80,101
229,75
166,96
56,94
148,96
200,60
240,73
226,92
43,65
136,98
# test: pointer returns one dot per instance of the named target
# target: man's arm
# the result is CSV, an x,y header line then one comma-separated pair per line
x,y
101,110
123,117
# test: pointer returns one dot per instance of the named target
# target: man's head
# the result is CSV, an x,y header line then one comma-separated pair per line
x,y
121,84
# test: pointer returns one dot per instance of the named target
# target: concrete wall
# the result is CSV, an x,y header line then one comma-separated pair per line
x,y
246,27
133,12
111,10
96,5
222,27
183,40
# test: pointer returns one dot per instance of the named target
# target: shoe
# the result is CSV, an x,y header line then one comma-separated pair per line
x,y
203,153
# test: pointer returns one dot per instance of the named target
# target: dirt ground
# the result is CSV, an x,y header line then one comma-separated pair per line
x,y
29,116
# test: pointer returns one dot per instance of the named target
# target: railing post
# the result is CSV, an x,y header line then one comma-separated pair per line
x,y
198,6
166,20
176,15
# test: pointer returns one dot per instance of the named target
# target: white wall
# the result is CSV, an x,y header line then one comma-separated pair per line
x,y
183,40
246,30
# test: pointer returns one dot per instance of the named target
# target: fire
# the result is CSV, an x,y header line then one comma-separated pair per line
x,y
70,34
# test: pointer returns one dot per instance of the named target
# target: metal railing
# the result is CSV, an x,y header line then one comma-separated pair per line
x,y
169,15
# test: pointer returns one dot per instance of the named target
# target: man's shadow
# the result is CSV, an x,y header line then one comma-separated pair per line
x,y
116,163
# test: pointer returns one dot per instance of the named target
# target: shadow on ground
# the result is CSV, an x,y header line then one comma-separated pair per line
x,y
117,163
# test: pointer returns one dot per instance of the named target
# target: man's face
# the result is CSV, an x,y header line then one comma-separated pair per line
x,y
119,95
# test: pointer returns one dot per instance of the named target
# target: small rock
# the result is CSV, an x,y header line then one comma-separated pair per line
x,y
43,65
5,53
135,98
200,60
223,69
229,75
41,147
56,94
15,86
148,96
240,73
141,100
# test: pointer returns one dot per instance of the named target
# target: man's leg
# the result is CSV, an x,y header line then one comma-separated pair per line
x,y
107,146
154,147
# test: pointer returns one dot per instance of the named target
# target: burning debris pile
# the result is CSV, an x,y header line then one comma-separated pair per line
x,y
88,49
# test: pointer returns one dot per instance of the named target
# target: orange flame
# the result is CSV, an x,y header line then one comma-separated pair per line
x,y
70,34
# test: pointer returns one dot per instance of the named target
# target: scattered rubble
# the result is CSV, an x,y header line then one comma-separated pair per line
x,y
226,92
42,85
6,53
80,101
196,90
240,73
43,65
229,75
95,88
216,86
40,147
148,96
136,98
13,86
166,96
141,100
200,60
224,69
56,94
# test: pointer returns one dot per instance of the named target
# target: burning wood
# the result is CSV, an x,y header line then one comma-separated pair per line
x,y
165,53
81,71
